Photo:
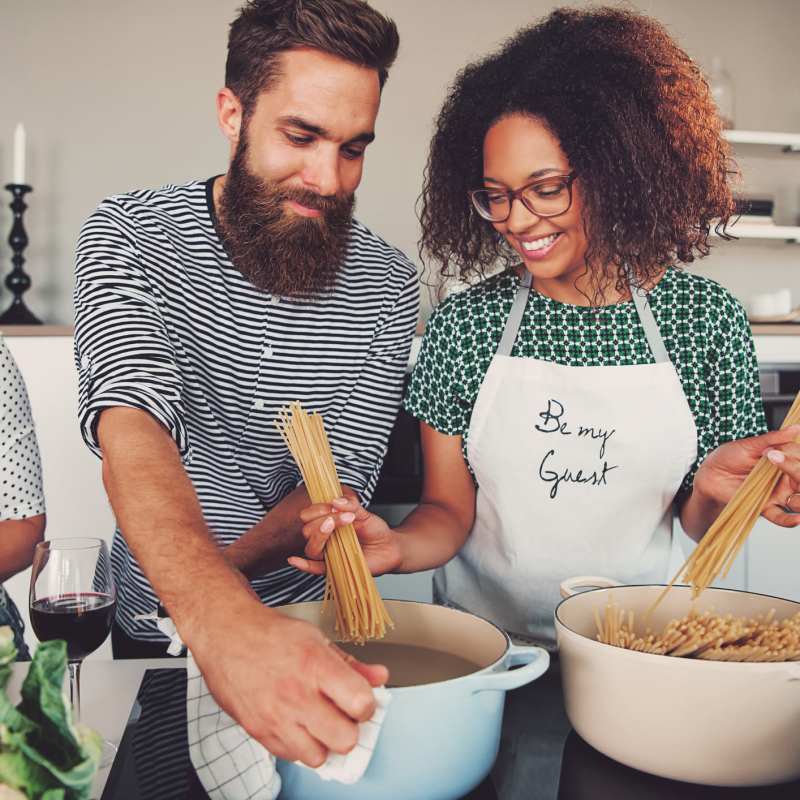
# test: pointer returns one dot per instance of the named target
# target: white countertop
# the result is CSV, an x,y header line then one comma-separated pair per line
x,y
770,348
108,689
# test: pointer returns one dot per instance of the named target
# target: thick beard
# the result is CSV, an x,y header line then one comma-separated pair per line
x,y
278,251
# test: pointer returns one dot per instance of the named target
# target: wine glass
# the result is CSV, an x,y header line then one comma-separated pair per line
x,y
73,597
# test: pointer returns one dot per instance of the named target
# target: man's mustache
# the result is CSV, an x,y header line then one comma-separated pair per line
x,y
310,199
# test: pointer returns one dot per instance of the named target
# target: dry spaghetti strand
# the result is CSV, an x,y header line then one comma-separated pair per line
x,y
360,611
720,546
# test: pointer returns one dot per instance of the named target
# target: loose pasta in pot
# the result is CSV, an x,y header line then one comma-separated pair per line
x,y
705,635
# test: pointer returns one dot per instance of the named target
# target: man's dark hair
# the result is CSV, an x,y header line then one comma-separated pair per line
x,y
636,120
265,29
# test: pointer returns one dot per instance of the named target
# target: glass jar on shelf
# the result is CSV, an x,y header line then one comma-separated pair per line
x,y
722,91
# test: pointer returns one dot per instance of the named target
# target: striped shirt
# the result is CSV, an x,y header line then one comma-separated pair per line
x,y
165,323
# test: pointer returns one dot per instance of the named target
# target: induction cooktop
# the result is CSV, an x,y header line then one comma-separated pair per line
x,y
153,762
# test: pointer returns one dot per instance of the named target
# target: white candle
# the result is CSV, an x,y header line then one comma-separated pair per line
x,y
19,153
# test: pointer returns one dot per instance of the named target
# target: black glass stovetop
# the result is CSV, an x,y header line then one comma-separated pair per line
x,y
541,757
153,762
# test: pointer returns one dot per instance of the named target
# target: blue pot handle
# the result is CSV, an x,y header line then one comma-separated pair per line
x,y
536,660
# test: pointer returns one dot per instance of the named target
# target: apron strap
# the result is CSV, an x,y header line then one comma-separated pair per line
x,y
651,331
515,317
640,301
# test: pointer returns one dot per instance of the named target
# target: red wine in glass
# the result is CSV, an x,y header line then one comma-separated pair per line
x,y
81,619
73,597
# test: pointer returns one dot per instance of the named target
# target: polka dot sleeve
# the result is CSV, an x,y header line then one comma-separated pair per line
x,y
21,493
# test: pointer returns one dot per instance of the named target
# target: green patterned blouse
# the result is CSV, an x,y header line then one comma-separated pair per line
x,y
704,328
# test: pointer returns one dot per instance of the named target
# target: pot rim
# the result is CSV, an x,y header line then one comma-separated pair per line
x,y
695,662
422,686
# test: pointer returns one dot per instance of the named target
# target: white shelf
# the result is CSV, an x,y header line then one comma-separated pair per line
x,y
788,142
786,233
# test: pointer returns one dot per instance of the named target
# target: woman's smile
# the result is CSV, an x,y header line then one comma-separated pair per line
x,y
537,248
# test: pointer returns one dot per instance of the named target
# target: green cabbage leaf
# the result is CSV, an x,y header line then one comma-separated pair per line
x,y
43,755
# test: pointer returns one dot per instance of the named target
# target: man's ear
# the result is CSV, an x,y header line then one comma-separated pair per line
x,y
229,115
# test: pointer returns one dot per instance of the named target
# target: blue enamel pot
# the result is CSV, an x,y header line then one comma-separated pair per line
x,y
439,739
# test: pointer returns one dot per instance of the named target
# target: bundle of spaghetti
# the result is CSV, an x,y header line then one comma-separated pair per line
x,y
720,546
360,611
706,635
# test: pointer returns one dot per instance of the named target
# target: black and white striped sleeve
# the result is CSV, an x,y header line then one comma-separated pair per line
x,y
361,434
122,348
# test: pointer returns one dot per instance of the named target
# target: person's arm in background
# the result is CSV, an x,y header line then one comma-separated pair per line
x,y
18,538
358,436
266,546
734,437
22,506
279,678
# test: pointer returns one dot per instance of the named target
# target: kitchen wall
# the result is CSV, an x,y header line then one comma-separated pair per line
x,y
118,95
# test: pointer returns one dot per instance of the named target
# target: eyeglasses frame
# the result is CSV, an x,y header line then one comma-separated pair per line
x,y
517,194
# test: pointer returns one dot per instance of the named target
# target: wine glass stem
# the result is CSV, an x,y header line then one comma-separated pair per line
x,y
75,689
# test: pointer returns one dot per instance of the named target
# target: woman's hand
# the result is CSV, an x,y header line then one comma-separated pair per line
x,y
722,473
378,540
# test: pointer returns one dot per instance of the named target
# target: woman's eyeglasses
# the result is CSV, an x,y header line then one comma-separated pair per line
x,y
546,197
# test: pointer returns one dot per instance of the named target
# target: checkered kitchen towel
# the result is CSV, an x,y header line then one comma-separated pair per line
x,y
232,765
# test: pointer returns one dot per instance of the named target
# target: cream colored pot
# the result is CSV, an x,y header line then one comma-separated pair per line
x,y
717,723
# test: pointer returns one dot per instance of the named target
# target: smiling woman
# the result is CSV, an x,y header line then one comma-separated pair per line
x,y
554,247
623,106
571,401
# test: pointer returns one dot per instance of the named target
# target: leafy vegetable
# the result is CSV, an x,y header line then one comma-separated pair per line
x,y
43,756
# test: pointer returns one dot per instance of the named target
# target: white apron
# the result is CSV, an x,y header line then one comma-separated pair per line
x,y
577,469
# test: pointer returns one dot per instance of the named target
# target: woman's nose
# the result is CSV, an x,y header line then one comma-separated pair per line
x,y
520,217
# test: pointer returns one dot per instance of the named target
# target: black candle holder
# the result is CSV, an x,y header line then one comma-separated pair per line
x,y
18,281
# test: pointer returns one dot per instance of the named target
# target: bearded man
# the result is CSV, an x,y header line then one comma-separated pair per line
x,y
202,309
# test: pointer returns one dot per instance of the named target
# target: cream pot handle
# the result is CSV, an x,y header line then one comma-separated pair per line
x,y
572,586
536,660
793,672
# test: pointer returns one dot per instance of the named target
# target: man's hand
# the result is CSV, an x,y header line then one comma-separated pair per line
x,y
266,546
279,678
284,682
278,536
377,539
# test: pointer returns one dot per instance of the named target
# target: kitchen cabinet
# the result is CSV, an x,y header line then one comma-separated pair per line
x,y
773,560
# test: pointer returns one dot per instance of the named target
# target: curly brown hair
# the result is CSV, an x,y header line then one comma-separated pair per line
x,y
634,116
